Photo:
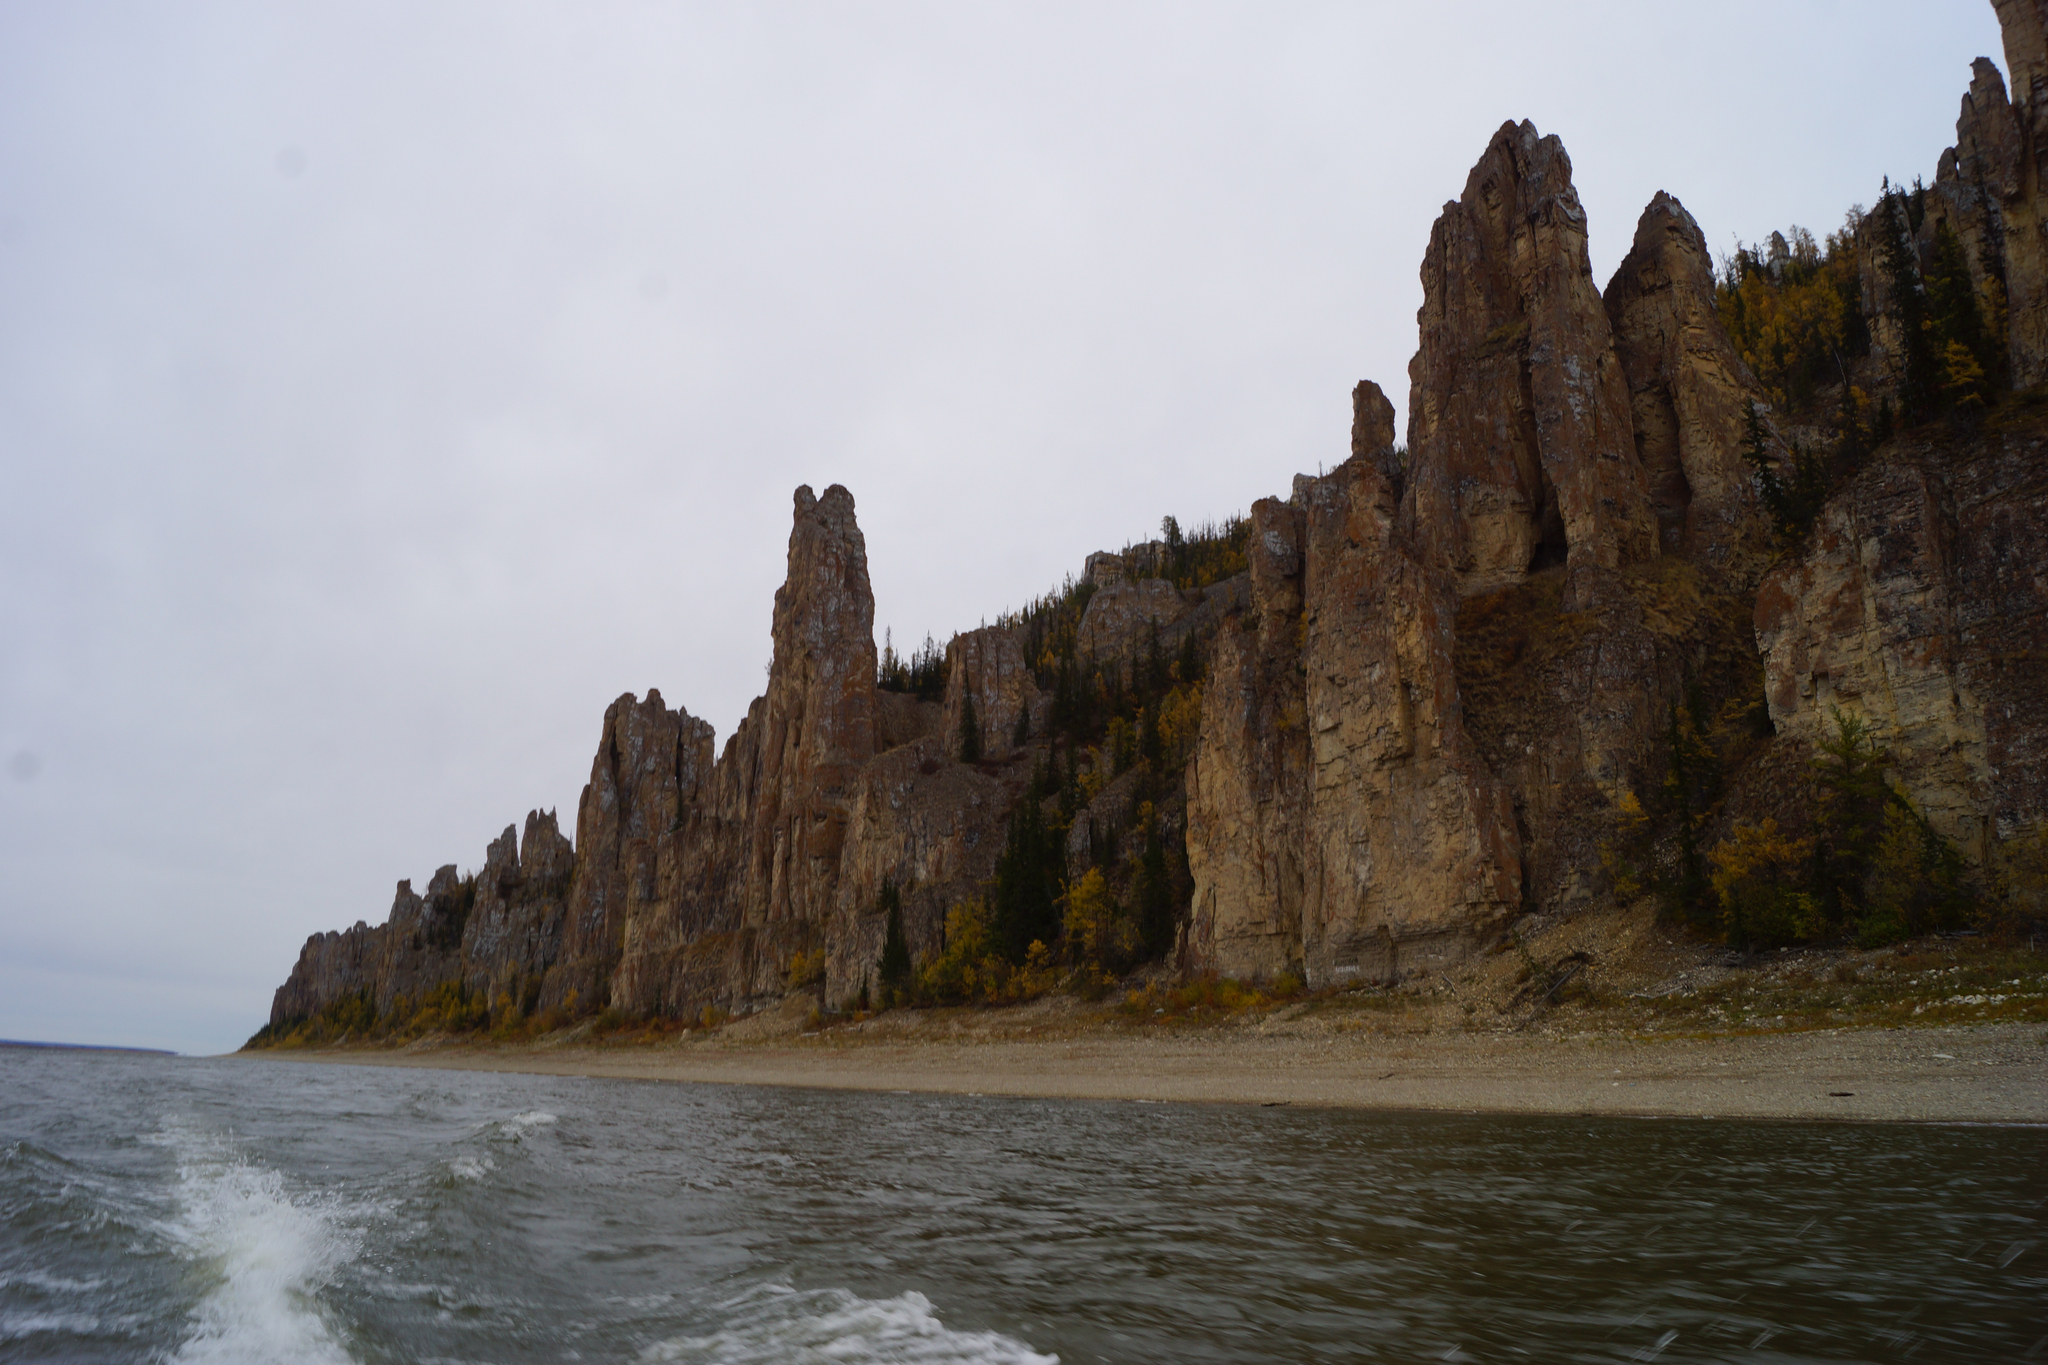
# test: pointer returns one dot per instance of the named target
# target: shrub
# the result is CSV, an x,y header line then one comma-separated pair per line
x,y
1757,877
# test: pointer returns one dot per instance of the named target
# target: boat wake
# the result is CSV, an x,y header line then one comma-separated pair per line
x,y
262,1257
777,1323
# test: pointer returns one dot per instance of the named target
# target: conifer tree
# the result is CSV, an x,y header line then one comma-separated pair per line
x,y
1154,890
1920,381
970,727
895,966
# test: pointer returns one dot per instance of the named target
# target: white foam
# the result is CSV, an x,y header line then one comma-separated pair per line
x,y
471,1168
812,1327
266,1255
15,1326
36,1279
532,1118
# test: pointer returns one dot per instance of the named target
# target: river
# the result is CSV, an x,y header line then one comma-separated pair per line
x,y
219,1210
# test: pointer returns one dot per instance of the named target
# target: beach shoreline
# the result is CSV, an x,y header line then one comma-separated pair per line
x,y
1987,1073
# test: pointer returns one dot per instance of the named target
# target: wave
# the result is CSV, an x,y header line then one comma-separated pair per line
x,y
800,1327
16,1326
265,1256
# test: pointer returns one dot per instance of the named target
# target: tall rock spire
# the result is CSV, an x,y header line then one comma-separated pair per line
x,y
1688,389
1519,434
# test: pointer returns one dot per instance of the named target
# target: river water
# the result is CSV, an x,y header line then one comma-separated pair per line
x,y
257,1211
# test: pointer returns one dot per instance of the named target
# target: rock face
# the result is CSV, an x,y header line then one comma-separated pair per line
x,y
693,882
989,664
1248,783
1990,189
1688,393
1338,820
1918,604
1423,701
1518,432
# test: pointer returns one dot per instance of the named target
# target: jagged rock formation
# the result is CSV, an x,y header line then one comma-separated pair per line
x,y
494,933
1422,704
1688,393
1439,789
1338,821
1518,430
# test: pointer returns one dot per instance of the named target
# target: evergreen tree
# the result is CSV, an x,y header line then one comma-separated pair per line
x,y
895,967
1154,890
970,727
1149,748
1020,735
1920,380
1027,883
1689,786
1853,800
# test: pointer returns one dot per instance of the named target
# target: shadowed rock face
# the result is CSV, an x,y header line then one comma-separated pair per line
x,y
1519,436
1918,604
1688,393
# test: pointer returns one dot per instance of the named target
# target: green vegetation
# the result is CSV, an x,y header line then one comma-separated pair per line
x,y
923,674
1794,313
895,964
1869,867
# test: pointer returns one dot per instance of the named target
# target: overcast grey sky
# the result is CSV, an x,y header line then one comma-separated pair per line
x,y
384,388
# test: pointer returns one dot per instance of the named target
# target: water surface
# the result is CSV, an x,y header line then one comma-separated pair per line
x,y
212,1210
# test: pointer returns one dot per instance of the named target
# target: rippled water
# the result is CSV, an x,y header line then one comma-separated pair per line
x,y
188,1210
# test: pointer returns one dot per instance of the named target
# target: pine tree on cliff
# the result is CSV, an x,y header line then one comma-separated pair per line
x,y
1921,379
970,728
895,967
1027,883
1154,890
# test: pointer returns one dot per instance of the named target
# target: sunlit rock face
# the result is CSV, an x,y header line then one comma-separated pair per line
x,y
1521,449
1338,821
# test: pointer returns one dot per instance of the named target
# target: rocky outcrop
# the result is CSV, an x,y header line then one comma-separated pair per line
x,y
989,665
1519,435
1991,190
1123,616
1338,819
1248,783
1689,394
1412,854
1919,604
514,930
1421,704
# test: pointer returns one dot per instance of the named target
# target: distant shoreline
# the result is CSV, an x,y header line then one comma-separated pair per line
x,y
86,1047
1992,1073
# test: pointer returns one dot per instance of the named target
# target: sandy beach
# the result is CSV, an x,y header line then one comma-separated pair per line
x,y
1984,1073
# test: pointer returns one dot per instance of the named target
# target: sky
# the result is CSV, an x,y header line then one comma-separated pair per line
x,y
386,387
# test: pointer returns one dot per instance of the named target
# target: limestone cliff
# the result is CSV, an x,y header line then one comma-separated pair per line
x,y
1410,698
1688,393
1518,427
1919,604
